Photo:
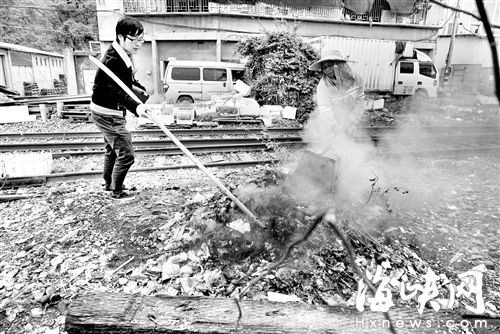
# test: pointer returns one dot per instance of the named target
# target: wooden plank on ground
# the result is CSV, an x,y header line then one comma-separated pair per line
x,y
116,313
8,198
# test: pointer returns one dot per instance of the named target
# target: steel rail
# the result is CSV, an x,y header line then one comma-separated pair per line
x,y
246,147
439,129
57,177
444,137
155,133
239,131
164,143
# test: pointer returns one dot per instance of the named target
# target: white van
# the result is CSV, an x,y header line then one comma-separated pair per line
x,y
191,80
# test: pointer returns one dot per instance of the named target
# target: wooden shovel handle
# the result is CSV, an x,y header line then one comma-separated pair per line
x,y
178,143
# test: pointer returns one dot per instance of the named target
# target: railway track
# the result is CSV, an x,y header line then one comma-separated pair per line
x,y
228,141
153,133
369,131
431,142
38,180
77,140
156,146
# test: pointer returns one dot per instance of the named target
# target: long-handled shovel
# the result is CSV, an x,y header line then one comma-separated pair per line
x,y
178,143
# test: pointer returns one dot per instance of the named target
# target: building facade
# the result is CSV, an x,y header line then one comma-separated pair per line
x,y
205,30
471,65
28,70
470,60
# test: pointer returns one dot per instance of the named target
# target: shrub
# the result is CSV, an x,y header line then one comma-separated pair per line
x,y
278,69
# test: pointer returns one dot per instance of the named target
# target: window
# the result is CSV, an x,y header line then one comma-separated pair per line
x,y
22,58
199,46
185,73
406,67
428,70
214,74
238,75
36,61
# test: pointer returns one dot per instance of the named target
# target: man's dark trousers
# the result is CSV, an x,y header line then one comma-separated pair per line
x,y
119,155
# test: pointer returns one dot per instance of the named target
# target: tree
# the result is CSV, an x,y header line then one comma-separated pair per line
x,y
278,67
48,25
78,23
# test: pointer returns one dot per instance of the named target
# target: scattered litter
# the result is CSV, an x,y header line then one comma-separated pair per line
x,y
279,297
240,226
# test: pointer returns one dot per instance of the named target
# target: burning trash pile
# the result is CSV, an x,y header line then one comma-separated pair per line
x,y
220,251
301,255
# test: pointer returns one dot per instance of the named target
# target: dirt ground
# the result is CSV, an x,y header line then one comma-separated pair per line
x,y
174,237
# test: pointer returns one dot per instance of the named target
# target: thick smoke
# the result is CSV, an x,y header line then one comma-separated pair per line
x,y
406,181
352,157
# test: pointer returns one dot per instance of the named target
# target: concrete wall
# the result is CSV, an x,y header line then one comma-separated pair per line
x,y
467,49
187,50
471,62
183,26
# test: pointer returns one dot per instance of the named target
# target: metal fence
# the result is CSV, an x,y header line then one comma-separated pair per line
x,y
379,12
165,6
270,10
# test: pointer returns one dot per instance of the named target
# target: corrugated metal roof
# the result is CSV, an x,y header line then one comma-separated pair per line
x,y
22,48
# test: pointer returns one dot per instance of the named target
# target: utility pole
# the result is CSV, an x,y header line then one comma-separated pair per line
x,y
447,68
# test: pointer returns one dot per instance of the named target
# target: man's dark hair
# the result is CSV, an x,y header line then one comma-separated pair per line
x,y
128,26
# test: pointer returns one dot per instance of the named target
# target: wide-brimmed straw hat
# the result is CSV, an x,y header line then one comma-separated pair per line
x,y
334,55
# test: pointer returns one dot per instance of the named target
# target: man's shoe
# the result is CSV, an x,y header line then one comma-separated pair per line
x,y
120,195
107,187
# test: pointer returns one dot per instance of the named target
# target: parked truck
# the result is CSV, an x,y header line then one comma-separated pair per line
x,y
387,67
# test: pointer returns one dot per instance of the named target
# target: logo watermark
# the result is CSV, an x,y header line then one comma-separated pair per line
x,y
368,323
470,287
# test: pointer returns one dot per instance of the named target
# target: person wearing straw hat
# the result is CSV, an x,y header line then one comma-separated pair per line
x,y
339,89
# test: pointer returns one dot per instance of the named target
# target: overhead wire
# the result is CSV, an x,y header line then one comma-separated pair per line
x,y
439,3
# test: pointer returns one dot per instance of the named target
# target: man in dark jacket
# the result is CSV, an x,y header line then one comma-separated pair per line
x,y
110,104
